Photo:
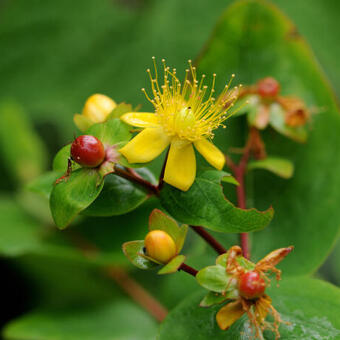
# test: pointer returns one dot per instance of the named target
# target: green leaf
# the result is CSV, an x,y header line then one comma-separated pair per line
x,y
205,204
311,306
278,166
119,195
60,161
82,122
230,179
307,206
134,251
43,185
216,279
213,299
277,121
160,221
111,132
112,321
173,265
22,151
69,197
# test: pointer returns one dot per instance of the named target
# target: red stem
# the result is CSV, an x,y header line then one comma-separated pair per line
x,y
131,176
188,269
211,240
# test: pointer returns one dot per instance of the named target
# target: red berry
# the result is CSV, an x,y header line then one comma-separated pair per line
x,y
88,151
251,285
268,87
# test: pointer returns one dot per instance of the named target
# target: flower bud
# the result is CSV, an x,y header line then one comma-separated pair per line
x,y
160,246
98,107
268,87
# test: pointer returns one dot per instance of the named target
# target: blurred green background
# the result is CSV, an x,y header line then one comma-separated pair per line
x,y
53,55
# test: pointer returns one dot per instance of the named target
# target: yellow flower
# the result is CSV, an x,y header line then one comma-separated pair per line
x,y
96,110
186,114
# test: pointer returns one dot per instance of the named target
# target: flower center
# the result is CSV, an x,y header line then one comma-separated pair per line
x,y
188,110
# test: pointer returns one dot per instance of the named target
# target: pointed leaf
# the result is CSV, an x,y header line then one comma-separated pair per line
x,y
173,265
205,204
278,166
213,299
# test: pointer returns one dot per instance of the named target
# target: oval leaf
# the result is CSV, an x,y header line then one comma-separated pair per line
x,y
278,166
69,197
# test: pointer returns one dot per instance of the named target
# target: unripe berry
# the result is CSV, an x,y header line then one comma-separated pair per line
x,y
88,151
160,246
251,285
268,87
98,107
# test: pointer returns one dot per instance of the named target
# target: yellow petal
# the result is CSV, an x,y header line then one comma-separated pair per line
x,y
180,170
211,153
228,314
262,306
146,146
140,119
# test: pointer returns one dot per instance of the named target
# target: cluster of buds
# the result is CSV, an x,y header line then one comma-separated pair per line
x,y
286,114
244,289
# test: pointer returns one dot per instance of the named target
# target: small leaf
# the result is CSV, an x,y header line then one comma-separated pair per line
x,y
216,279
213,299
60,161
173,265
82,122
230,179
111,132
279,166
119,195
74,194
133,251
205,204
160,221
277,121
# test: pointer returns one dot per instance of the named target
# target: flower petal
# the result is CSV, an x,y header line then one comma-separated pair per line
x,y
146,146
180,170
228,314
211,153
140,119
262,306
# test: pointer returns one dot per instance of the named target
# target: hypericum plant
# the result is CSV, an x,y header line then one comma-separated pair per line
x,y
186,115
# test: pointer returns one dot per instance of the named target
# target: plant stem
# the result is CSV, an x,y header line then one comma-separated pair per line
x,y
131,176
209,238
137,293
188,269
122,278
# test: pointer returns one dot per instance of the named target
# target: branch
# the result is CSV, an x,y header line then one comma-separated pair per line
x,y
209,238
188,269
134,177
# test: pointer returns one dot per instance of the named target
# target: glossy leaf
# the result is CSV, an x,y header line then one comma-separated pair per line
x,y
310,306
173,265
111,321
134,251
307,209
119,195
278,166
205,204
69,197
